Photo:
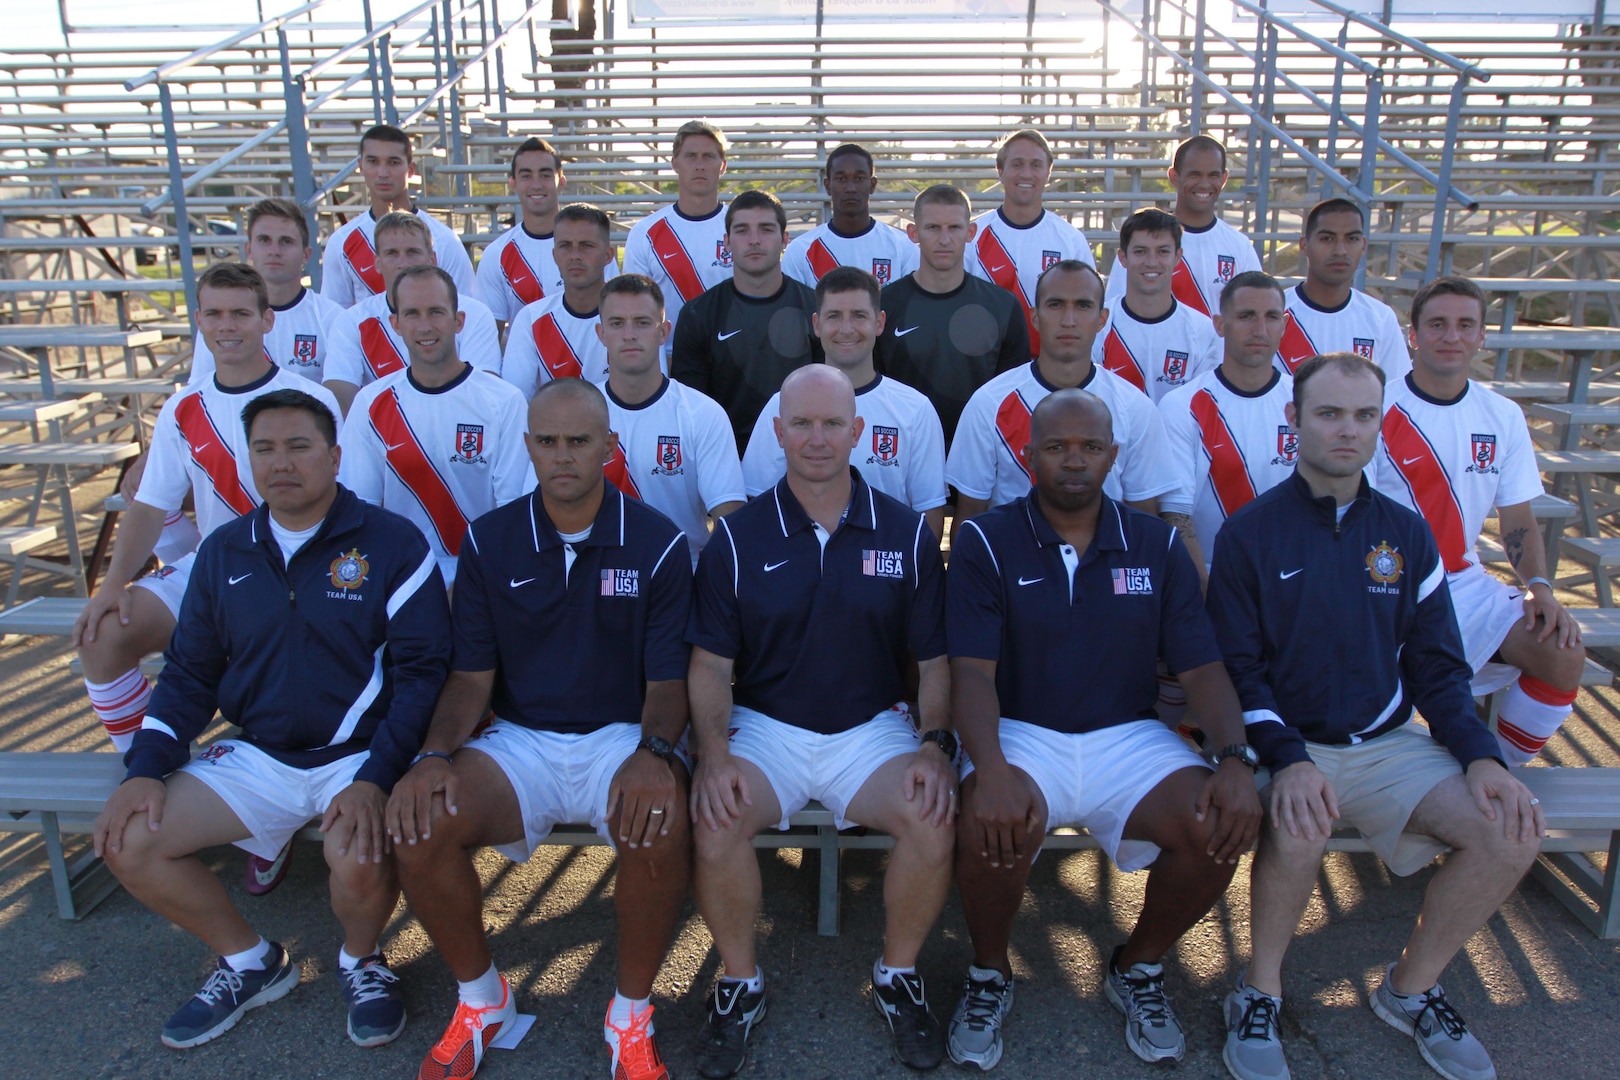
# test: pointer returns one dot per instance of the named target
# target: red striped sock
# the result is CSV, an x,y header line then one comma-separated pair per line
x,y
1532,711
120,705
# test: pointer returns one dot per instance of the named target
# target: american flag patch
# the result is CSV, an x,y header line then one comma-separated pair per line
x,y
1132,581
621,583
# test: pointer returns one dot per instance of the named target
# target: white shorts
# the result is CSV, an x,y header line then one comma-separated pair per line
x,y
803,765
169,583
1094,779
271,799
560,777
1486,609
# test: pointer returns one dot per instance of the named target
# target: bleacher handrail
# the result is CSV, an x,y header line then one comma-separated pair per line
x,y
375,35
1390,34
163,71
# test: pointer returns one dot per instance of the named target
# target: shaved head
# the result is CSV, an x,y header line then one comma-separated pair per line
x,y
824,384
576,393
1056,406
1071,450
816,424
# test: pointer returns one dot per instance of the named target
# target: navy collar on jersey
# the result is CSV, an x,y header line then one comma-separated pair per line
x,y
871,223
1299,291
1109,535
412,210
1085,383
1411,384
1171,310
466,373
606,531
248,388
1001,214
1198,229
873,385
862,510
346,513
1271,384
299,299
533,235
663,388
719,208
1325,507
594,313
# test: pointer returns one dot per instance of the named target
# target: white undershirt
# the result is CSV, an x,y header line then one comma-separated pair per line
x,y
1340,511
569,555
290,541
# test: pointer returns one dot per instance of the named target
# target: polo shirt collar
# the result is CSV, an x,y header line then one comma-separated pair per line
x,y
1327,511
1110,535
792,517
606,531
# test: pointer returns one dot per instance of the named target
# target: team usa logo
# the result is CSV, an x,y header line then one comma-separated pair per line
x,y
1362,346
669,456
1482,455
1175,368
722,253
1287,445
214,753
885,446
883,564
621,583
469,445
883,270
1050,259
1384,566
1133,581
347,573
1225,267
304,350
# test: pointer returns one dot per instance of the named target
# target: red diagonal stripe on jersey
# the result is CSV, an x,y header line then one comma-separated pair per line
x,y
410,463
357,249
1184,288
1012,423
676,262
1297,346
822,262
212,453
1414,458
378,348
1118,358
520,275
555,352
1228,471
617,471
1004,272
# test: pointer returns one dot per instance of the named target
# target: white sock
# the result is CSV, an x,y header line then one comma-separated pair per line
x,y
883,975
979,974
254,959
1532,712
484,992
624,1009
120,705
347,962
754,983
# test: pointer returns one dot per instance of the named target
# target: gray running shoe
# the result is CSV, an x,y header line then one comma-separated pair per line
x,y
1151,1029
1441,1035
975,1037
1253,1044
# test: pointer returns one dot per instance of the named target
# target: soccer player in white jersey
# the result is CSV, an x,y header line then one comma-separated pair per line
x,y
900,449
439,442
1152,340
1452,449
556,338
674,450
278,248
1325,312
518,267
853,237
199,447
683,246
365,345
1018,240
349,270
1212,252
986,462
1229,439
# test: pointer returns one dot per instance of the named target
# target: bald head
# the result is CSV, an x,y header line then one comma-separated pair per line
x,y
576,396
816,423
819,383
1071,449
1057,408
569,441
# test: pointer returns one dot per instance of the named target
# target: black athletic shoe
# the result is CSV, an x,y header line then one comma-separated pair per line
x,y
723,1044
919,1040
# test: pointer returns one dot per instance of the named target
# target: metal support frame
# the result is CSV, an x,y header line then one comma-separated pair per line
x,y
298,149
371,64
1200,25
1431,265
177,191
81,884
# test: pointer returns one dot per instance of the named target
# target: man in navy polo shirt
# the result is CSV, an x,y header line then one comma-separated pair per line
x,y
569,619
814,597
1062,602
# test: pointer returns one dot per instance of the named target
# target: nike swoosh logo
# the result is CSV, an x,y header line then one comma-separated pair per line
x,y
200,449
728,337
1029,581
514,583
391,449
775,565
1411,461
671,255
1290,573
907,330
244,577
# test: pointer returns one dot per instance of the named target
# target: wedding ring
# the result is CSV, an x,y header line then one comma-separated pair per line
x,y
655,811
1535,802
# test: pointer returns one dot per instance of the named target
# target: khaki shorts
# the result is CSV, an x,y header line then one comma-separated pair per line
x,y
1379,784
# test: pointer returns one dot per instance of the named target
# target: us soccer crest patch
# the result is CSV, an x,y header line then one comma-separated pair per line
x,y
669,456
883,270
304,349
1482,454
349,571
1175,367
722,253
1225,267
1050,259
1362,346
1287,445
885,445
469,444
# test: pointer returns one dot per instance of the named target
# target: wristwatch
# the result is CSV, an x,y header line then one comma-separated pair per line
x,y
942,739
658,746
1242,751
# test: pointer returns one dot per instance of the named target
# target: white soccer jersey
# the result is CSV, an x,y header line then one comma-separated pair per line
x,y
986,460
1227,446
1157,355
441,457
199,445
678,455
883,251
901,452
1362,325
298,341
685,256
1210,257
1015,256
349,271
517,269
548,340
365,345
1453,462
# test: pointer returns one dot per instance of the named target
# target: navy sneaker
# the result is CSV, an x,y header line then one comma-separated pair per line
x,y
227,994
376,1011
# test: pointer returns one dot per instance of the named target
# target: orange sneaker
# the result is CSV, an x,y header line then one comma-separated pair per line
x,y
635,1052
460,1050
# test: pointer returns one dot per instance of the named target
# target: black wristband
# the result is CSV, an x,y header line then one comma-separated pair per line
x,y
430,753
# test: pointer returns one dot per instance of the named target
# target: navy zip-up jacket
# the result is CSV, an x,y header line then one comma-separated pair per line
x,y
1334,630
341,651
